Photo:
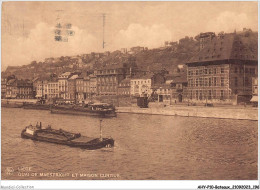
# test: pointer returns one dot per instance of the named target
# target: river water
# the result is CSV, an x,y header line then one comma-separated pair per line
x,y
147,147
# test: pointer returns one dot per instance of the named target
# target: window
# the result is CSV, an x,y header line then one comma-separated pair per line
x,y
200,95
222,81
210,71
235,69
201,81
236,81
209,95
246,81
222,70
197,72
206,71
252,71
215,81
210,81
246,70
222,94
197,82
206,81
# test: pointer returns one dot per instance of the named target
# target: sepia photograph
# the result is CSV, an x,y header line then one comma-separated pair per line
x,y
136,90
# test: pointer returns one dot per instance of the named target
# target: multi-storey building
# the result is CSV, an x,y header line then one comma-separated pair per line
x,y
223,69
80,88
41,88
108,79
124,87
63,85
24,89
86,87
11,88
93,85
72,87
53,89
162,92
3,87
205,38
141,86
179,88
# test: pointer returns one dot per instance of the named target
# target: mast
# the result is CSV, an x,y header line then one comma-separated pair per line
x,y
101,139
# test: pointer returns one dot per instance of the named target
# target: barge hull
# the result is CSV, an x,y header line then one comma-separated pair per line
x,y
83,113
93,143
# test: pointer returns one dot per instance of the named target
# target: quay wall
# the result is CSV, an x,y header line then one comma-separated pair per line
x,y
196,111
19,101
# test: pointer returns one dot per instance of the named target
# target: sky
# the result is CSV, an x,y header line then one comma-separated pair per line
x,y
28,27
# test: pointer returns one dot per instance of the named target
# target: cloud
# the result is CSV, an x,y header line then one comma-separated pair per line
x,y
40,44
229,21
139,35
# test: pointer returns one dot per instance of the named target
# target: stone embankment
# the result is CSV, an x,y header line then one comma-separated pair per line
x,y
247,113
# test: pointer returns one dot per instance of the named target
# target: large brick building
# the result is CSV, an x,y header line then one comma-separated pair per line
x,y
222,70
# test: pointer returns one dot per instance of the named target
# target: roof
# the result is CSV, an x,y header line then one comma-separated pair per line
x,y
73,77
111,66
157,86
241,46
148,76
65,74
11,81
180,79
127,80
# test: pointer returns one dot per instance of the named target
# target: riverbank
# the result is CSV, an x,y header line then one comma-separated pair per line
x,y
247,113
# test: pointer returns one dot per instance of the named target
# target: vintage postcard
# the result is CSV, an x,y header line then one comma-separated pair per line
x,y
130,91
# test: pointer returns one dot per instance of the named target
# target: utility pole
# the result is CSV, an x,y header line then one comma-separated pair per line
x,y
104,20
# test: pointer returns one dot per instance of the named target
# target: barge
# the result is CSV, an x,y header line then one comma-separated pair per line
x,y
38,133
36,106
11,105
95,109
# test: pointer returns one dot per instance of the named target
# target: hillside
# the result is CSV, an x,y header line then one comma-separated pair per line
x,y
155,59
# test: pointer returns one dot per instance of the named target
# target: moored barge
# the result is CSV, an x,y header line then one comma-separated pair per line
x,y
62,137
96,109
36,106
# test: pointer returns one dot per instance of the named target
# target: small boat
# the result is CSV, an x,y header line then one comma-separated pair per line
x,y
38,133
95,109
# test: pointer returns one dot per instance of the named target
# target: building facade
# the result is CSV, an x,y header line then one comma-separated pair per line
x,y
162,93
11,88
86,87
223,70
41,88
80,89
24,89
124,87
72,87
93,85
3,87
63,85
141,86
108,79
53,89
